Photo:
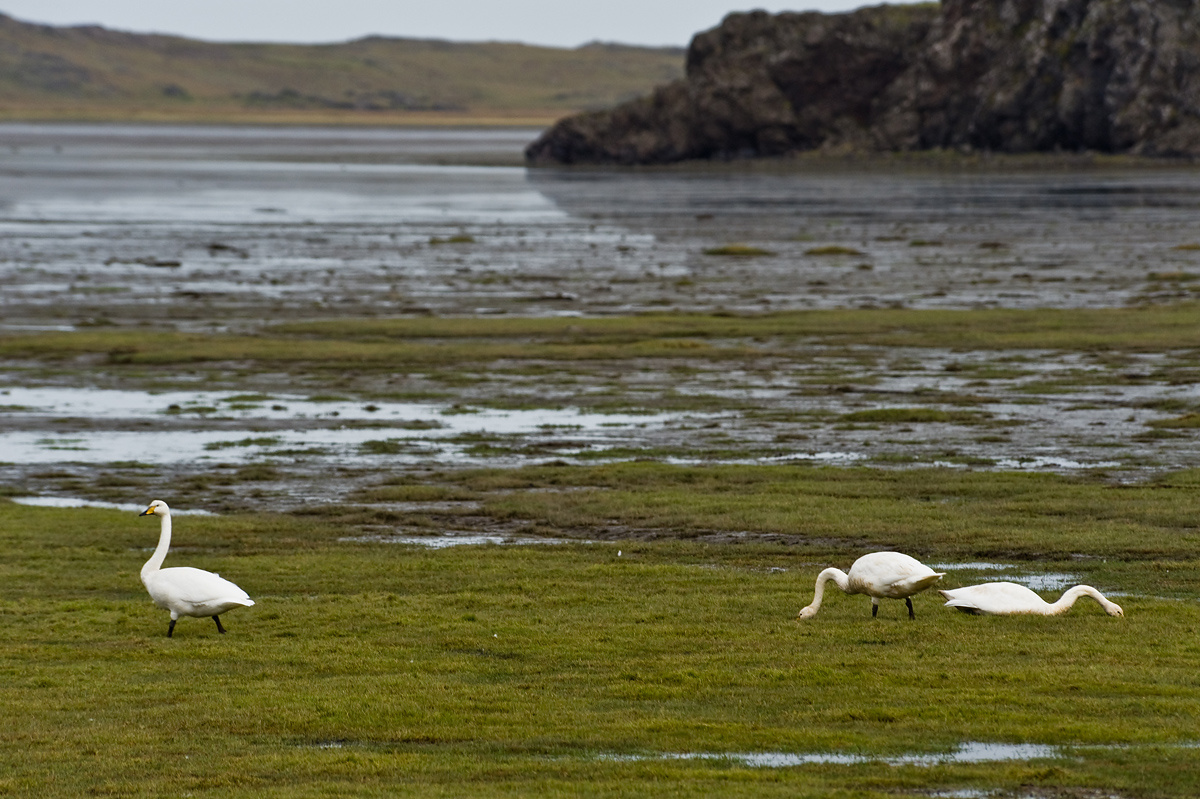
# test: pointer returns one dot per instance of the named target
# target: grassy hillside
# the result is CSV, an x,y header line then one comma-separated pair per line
x,y
91,72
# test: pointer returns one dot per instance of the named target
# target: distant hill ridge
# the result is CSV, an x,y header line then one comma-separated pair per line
x,y
1012,76
91,71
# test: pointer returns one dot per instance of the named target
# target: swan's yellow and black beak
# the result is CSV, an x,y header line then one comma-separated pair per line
x,y
147,512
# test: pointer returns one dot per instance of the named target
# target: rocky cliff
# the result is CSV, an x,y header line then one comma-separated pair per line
x,y
1112,76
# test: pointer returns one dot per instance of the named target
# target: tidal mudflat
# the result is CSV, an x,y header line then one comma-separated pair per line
x,y
229,228
131,232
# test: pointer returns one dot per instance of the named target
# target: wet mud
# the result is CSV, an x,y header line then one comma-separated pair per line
x,y
235,229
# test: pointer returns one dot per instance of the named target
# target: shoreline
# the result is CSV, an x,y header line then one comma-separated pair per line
x,y
815,161
290,118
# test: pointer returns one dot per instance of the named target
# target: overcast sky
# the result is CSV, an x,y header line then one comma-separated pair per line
x,y
561,23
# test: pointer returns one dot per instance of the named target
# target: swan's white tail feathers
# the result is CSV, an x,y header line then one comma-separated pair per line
x,y
964,606
924,582
960,603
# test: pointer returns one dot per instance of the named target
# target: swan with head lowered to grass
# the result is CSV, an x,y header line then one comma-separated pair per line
x,y
183,590
879,575
1011,599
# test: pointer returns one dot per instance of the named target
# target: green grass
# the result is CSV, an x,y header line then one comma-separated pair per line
x,y
1188,420
954,513
409,492
432,342
383,670
253,441
913,416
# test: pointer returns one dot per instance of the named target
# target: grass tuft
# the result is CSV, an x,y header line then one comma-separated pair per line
x,y
1187,421
913,416
833,249
738,251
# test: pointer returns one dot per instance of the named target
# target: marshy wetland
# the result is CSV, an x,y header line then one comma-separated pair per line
x,y
350,348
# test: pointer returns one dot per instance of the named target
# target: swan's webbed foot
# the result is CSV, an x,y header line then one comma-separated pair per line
x,y
171,628
220,629
908,601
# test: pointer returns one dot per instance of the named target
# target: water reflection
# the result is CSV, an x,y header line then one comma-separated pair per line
x,y
235,175
889,195
294,143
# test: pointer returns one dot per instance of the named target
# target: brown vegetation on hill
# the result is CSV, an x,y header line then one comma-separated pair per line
x,y
91,72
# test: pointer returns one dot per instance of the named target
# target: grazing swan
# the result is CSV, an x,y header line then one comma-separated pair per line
x,y
890,575
1007,599
183,590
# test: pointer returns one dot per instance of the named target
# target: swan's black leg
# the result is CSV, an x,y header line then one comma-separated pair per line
x,y
220,629
874,610
908,601
170,628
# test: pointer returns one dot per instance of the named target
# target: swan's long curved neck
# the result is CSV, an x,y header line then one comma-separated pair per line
x,y
1068,599
160,552
839,578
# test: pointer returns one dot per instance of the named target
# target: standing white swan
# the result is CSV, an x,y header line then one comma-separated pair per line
x,y
890,575
1008,599
183,590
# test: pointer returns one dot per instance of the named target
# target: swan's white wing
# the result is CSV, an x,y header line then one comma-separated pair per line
x,y
995,599
892,574
195,592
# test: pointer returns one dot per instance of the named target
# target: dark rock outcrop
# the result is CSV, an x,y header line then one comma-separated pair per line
x,y
1015,76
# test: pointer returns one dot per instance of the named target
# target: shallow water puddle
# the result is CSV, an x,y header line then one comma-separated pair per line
x,y
73,502
1054,581
970,752
96,403
1053,463
1047,582
217,447
824,456
336,427
452,540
